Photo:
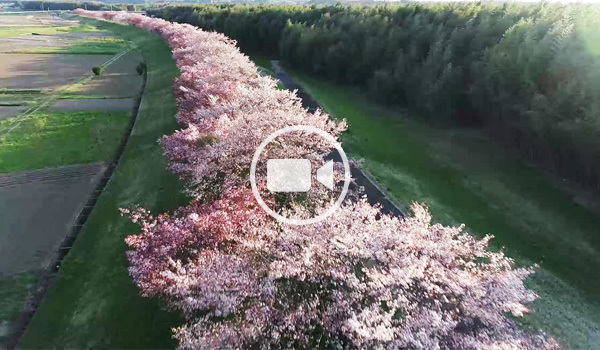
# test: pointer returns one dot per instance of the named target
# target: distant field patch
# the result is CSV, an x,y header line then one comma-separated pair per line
x,y
20,91
18,98
120,79
33,30
51,139
34,19
42,71
95,46
10,111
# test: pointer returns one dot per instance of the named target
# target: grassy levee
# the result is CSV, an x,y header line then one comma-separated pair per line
x,y
465,177
93,302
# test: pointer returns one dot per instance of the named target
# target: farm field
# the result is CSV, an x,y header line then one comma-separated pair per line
x,y
466,178
57,131
96,304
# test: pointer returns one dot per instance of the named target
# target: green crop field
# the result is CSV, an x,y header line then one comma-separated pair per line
x,y
52,139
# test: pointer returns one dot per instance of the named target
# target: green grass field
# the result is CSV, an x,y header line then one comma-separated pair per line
x,y
464,177
47,30
93,302
13,293
53,139
13,31
98,46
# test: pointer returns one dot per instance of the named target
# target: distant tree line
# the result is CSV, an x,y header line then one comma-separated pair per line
x,y
71,5
529,74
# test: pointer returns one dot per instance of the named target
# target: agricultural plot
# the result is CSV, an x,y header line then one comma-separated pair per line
x,y
95,305
55,137
45,72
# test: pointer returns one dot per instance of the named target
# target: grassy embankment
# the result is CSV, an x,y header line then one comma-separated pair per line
x,y
93,302
464,177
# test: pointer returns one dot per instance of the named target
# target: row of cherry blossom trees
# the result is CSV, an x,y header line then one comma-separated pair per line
x,y
355,280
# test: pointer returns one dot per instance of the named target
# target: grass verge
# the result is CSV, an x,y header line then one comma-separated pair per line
x,y
265,68
53,139
466,178
13,294
93,302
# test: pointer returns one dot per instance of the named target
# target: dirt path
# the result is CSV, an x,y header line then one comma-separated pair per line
x,y
362,180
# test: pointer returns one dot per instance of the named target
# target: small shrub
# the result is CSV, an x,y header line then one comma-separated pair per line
x,y
141,68
97,70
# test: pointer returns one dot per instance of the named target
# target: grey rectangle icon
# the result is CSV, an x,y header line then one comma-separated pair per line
x,y
288,175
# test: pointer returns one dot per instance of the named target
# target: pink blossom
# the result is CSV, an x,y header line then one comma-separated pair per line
x,y
359,279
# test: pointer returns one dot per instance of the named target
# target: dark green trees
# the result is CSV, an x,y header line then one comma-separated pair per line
x,y
529,74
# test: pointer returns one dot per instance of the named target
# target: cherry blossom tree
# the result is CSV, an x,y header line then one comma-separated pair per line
x,y
359,279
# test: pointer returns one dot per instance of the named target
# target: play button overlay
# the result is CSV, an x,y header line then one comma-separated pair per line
x,y
296,175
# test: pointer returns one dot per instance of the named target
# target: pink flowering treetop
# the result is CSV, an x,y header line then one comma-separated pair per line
x,y
359,279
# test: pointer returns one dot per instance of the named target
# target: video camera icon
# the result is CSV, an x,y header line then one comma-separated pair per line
x,y
295,175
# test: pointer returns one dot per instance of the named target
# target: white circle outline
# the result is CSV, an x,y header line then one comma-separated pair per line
x,y
270,139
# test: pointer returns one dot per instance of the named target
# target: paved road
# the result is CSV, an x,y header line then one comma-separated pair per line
x,y
362,181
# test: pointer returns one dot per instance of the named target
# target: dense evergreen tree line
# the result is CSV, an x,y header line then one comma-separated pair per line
x,y
528,74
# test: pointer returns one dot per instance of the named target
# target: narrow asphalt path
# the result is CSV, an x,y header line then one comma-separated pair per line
x,y
363,182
